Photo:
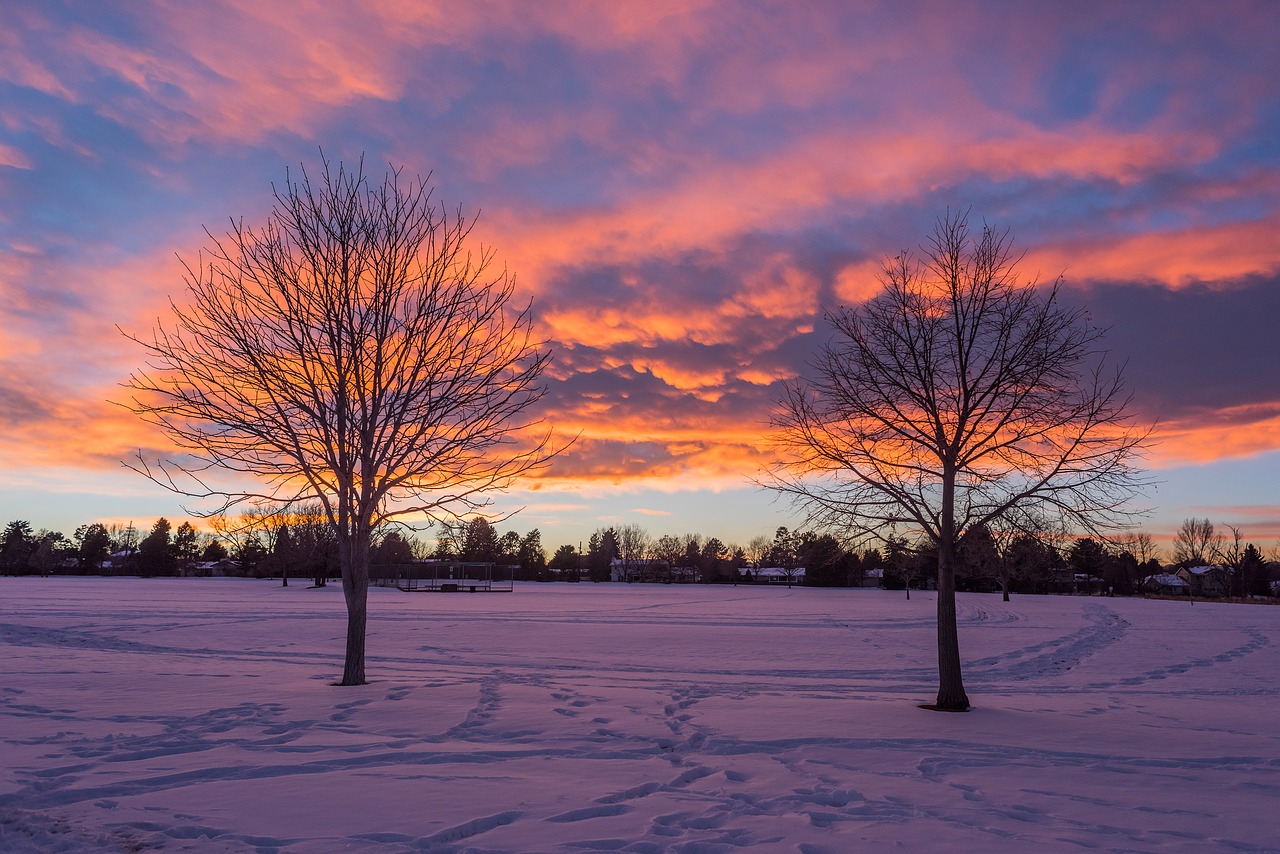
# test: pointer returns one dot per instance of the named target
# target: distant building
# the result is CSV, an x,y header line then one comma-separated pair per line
x,y
873,578
209,569
650,572
120,560
1207,581
1077,583
780,575
1165,584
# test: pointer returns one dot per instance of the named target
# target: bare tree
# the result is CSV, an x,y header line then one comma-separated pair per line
x,y
124,538
956,397
633,547
1139,544
758,550
1229,552
264,523
1196,542
1023,547
669,549
451,538
242,537
314,542
353,351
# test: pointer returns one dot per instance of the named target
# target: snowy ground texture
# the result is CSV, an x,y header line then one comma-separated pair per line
x,y
197,715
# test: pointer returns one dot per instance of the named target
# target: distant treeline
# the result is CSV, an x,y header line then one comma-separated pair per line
x,y
299,543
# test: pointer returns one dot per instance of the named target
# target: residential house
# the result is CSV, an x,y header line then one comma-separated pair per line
x,y
209,569
1207,581
1165,584
779,575
650,571
873,578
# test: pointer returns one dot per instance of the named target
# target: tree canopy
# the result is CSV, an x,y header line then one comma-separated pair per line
x,y
956,397
356,351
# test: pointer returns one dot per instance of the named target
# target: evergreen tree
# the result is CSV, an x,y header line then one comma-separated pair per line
x,y
1123,574
509,548
16,546
214,550
601,550
533,560
249,554
566,559
900,565
1088,556
712,560
93,546
480,542
782,552
393,549
825,562
1151,567
1253,572
692,553
978,558
155,552
186,543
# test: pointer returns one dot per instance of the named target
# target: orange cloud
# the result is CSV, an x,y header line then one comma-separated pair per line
x,y
693,165
1173,258
815,175
1237,431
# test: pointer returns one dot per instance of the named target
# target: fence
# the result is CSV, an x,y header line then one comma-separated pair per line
x,y
444,577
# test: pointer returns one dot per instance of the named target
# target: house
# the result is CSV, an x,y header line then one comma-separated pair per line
x,y
1165,584
1207,581
650,571
780,575
209,569
120,560
1067,581
873,578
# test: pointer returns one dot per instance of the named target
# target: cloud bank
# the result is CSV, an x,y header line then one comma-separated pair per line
x,y
683,189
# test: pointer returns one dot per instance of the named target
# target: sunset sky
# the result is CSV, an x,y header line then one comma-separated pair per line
x,y
682,189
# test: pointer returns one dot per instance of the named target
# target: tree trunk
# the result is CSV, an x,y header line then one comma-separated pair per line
x,y
354,555
951,695
1004,587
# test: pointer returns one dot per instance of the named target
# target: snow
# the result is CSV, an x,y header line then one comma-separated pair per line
x,y
198,715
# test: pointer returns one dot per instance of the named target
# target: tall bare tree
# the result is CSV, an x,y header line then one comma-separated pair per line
x,y
634,543
758,550
1229,552
956,397
1196,542
1024,548
354,351
669,549
1140,544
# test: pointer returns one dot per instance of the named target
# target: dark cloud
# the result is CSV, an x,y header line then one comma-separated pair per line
x,y
19,407
1195,349
685,192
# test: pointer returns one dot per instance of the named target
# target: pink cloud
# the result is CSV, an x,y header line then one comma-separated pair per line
x,y
872,118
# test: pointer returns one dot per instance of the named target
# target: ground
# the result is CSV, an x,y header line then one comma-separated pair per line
x,y
198,715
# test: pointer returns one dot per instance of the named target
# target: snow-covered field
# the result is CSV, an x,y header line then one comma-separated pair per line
x,y
197,715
